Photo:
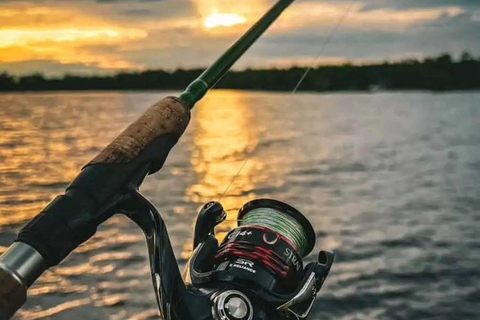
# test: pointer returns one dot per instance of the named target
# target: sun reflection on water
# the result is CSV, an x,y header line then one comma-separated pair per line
x,y
221,144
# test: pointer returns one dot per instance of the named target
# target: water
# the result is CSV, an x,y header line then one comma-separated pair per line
x,y
391,182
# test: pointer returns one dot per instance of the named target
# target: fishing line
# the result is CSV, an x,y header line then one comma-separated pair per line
x,y
279,222
233,179
324,45
302,78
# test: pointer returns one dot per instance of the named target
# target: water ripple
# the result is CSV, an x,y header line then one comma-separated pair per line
x,y
390,182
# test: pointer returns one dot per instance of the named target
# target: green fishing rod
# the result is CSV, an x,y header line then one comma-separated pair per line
x,y
105,184
198,88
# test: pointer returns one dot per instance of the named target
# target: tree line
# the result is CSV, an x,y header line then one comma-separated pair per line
x,y
439,73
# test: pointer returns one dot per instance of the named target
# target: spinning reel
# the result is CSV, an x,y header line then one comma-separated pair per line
x,y
256,272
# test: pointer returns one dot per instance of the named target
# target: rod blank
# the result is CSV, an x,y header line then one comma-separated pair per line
x,y
199,87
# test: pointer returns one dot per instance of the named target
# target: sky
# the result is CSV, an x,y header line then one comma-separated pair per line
x,y
107,36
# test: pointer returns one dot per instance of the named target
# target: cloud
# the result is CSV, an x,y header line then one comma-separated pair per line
x,y
49,67
69,35
71,1
408,4
446,34
62,35
413,4
320,14
109,1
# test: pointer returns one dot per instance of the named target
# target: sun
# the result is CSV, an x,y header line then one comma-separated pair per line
x,y
223,20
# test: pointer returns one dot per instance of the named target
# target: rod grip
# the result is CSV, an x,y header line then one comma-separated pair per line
x,y
13,294
142,148
167,117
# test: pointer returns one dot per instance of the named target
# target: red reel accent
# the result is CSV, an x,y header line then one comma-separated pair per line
x,y
251,242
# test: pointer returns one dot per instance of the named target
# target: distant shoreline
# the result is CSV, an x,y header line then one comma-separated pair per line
x,y
440,73
106,91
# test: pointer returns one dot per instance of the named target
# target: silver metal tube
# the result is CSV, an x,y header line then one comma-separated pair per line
x,y
23,262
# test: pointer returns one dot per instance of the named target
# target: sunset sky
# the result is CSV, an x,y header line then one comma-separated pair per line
x,y
88,36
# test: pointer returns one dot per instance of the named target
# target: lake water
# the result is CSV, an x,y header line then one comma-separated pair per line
x,y
390,181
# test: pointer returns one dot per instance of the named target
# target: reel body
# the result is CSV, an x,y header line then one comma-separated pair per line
x,y
256,273
259,268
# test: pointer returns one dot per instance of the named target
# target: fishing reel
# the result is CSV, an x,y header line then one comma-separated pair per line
x,y
257,272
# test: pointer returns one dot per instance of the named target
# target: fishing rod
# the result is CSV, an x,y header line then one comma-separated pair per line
x,y
257,272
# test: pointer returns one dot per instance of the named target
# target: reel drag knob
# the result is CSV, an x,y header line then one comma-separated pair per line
x,y
232,305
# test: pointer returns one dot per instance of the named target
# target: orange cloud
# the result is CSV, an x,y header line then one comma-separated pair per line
x,y
42,33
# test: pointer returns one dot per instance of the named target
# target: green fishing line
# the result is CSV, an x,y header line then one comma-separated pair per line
x,y
280,222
